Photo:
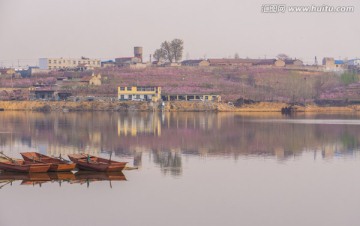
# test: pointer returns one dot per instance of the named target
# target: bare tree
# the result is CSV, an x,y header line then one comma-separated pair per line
x,y
170,51
159,55
166,47
177,47
236,56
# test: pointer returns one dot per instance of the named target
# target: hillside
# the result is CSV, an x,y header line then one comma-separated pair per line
x,y
255,83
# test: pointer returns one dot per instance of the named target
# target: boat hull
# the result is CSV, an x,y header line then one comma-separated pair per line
x,y
23,167
56,165
97,164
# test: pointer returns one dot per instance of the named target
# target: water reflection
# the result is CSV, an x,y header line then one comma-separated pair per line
x,y
170,136
80,177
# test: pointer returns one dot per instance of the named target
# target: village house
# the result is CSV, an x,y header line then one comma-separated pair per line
x,y
331,64
68,63
126,61
191,97
48,94
246,62
195,63
295,62
353,62
270,63
139,93
109,63
7,71
93,80
171,64
136,61
232,62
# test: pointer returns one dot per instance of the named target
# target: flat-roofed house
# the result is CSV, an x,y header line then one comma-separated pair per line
x,y
232,62
191,97
195,63
333,65
126,61
270,63
295,62
139,93
68,63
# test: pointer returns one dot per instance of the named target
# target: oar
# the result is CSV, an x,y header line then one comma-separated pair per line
x,y
9,158
9,182
62,159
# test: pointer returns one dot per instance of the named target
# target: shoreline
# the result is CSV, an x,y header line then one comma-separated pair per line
x,y
174,106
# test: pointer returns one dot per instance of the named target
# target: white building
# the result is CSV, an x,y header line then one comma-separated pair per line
x,y
354,62
67,63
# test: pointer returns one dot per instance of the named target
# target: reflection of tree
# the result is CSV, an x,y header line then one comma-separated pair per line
x,y
169,162
349,141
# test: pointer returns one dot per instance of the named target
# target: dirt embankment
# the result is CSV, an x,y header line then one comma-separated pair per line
x,y
189,106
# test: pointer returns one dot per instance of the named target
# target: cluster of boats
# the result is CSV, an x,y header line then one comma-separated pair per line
x,y
34,162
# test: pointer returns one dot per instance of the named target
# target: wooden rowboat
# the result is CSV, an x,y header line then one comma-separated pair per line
x,y
23,167
93,163
56,164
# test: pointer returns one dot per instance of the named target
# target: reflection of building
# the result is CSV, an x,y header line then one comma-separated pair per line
x,y
145,93
170,161
134,126
56,150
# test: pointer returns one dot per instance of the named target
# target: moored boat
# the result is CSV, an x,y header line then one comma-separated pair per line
x,y
93,163
56,164
23,167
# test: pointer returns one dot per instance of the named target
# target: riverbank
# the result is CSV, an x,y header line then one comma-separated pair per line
x,y
175,106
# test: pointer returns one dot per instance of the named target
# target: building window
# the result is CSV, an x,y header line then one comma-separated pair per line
x,y
128,88
49,67
54,61
137,96
122,88
49,61
206,97
122,97
74,62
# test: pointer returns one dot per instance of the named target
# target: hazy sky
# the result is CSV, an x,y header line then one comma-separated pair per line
x,y
30,29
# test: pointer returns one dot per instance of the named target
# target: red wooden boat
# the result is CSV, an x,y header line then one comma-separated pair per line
x,y
56,164
23,167
93,163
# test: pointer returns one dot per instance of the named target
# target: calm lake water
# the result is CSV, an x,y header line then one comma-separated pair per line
x,y
194,169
